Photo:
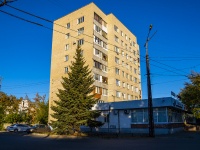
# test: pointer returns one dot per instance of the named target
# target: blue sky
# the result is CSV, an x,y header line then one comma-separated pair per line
x,y
25,49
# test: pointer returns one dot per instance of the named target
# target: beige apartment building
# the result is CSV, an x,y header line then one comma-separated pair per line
x,y
109,48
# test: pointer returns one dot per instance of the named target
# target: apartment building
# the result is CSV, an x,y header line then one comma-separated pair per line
x,y
109,48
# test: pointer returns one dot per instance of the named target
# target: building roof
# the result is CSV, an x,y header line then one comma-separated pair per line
x,y
136,104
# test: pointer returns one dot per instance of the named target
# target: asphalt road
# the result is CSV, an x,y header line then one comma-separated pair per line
x,y
23,141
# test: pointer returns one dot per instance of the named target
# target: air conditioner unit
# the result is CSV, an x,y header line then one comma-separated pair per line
x,y
126,111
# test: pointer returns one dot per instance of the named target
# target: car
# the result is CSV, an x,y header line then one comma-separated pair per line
x,y
39,128
18,128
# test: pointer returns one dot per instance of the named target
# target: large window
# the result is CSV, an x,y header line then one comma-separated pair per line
x,y
139,116
174,116
159,115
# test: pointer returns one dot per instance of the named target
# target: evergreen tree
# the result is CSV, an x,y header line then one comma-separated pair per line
x,y
73,108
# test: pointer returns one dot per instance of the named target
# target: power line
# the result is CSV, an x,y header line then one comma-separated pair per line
x,y
42,18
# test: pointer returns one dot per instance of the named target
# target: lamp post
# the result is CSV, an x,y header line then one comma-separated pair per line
x,y
150,108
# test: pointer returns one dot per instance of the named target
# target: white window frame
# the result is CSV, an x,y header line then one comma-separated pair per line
x,y
80,20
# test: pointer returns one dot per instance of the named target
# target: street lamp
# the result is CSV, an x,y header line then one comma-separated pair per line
x,y
150,108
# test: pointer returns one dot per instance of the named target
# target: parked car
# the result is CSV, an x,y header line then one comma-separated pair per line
x,y
39,128
18,128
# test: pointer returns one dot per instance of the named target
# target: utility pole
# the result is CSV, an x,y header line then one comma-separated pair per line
x,y
150,107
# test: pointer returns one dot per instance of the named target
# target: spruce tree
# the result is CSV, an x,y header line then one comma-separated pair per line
x,y
73,108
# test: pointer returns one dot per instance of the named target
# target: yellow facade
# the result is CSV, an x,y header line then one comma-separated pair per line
x,y
109,48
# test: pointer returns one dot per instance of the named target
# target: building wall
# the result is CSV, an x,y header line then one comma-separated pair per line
x,y
58,60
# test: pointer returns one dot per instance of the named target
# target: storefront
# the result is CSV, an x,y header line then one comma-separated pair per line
x,y
132,116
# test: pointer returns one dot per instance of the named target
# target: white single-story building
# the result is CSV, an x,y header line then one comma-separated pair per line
x,y
132,116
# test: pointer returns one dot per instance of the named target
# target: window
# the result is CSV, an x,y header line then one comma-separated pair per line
x,y
135,79
124,84
123,95
97,28
66,46
122,34
97,77
127,75
126,56
132,88
104,68
135,70
105,92
116,39
126,37
117,71
67,35
117,60
159,115
122,43
116,49
117,82
131,68
131,77
104,57
128,87
104,34
139,116
105,80
68,25
134,53
123,64
97,40
133,43
81,42
118,94
97,52
80,31
98,18
97,65
126,46
127,66
66,69
66,57
129,96
122,53
104,45
115,28
123,73
97,90
80,20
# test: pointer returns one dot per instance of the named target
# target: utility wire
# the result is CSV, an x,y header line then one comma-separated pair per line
x,y
64,33
57,24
